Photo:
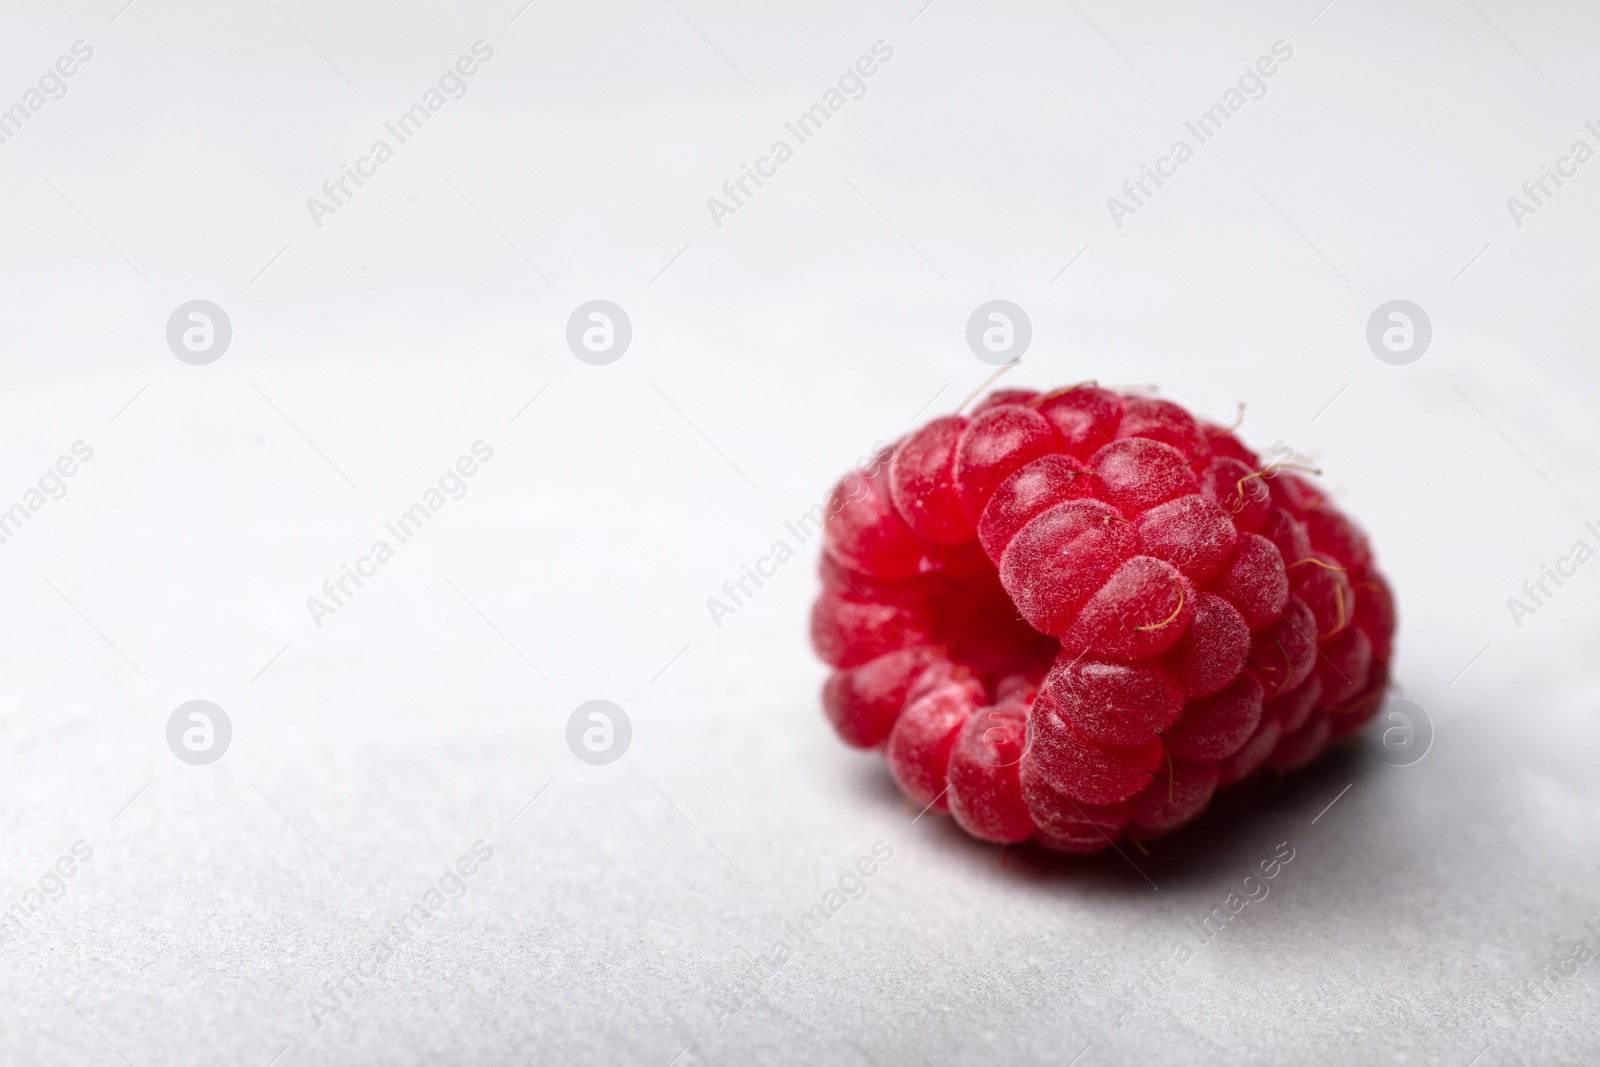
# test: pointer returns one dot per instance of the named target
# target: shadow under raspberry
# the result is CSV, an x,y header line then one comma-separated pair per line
x,y
1238,829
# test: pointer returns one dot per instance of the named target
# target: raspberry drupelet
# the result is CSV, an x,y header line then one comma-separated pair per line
x,y
1074,616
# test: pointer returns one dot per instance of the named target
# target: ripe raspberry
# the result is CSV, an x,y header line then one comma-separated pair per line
x,y
919,744
1074,616
985,793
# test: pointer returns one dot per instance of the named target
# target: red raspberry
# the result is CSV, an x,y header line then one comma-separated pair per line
x,y
998,441
1164,421
920,743
1046,481
1212,651
1252,755
921,481
1061,557
1216,727
1064,823
864,701
1236,486
1295,707
1074,616
1141,611
1166,804
985,793
1084,418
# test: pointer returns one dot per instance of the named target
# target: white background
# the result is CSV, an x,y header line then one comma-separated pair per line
x,y
625,906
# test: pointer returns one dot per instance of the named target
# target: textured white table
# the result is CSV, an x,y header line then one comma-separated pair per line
x,y
629,913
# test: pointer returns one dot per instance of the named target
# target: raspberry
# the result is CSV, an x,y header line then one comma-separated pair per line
x,y
1078,766
1191,533
921,740
867,534
1212,651
1060,818
1252,755
1237,487
1138,473
1342,668
1120,705
1346,720
985,793
1255,582
1301,747
1288,534
1162,420
1324,585
847,633
1061,557
997,442
1215,727
1283,654
1223,443
1141,611
864,701
1074,616
1083,417
1167,805
1046,481
922,482
1295,707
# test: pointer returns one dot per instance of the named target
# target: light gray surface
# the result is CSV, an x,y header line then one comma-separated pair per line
x,y
624,912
